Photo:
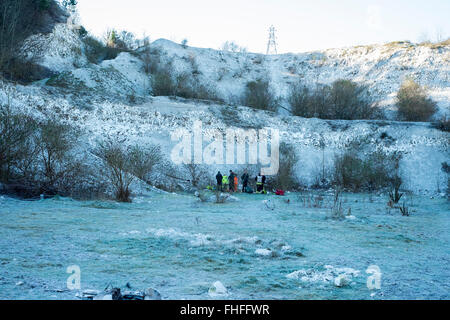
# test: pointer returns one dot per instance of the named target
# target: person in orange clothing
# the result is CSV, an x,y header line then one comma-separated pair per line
x,y
235,183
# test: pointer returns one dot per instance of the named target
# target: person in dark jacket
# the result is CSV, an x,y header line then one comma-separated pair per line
x,y
245,177
231,177
219,181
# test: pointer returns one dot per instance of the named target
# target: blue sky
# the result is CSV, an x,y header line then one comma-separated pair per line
x,y
301,25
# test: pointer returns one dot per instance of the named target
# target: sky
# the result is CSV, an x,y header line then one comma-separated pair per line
x,y
300,25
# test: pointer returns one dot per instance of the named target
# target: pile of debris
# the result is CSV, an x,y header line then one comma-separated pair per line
x,y
111,293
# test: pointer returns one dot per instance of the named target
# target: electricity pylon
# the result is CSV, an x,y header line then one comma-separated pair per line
x,y
272,43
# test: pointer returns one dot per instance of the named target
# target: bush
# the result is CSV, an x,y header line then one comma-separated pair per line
x,y
118,168
350,101
344,100
184,85
59,170
25,71
38,158
16,149
187,86
197,174
143,160
124,164
442,124
96,51
258,95
163,83
309,103
413,103
377,170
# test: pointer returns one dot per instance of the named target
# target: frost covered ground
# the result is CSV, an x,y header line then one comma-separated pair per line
x,y
181,247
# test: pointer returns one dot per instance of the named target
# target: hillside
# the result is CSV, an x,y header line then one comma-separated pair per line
x,y
113,98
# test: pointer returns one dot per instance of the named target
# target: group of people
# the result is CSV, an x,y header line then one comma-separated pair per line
x,y
230,183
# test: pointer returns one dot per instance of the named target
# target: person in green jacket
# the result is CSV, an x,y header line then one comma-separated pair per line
x,y
225,183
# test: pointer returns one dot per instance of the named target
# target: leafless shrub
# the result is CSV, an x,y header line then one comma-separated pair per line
x,y
395,195
337,212
232,46
118,168
413,103
404,210
39,158
142,160
442,124
150,57
187,86
163,82
197,175
355,171
259,95
59,169
97,51
16,148
344,99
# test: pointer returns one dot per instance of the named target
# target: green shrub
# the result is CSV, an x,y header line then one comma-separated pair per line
x,y
413,103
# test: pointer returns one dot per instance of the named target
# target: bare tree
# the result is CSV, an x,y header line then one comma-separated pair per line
x,y
117,163
54,142
196,173
16,151
142,160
